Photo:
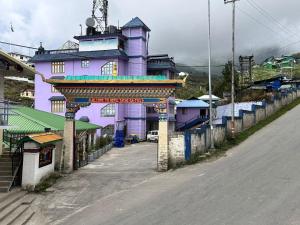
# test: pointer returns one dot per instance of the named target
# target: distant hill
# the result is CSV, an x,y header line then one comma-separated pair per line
x,y
197,82
13,89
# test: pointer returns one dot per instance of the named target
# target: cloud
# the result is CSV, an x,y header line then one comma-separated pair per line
x,y
178,27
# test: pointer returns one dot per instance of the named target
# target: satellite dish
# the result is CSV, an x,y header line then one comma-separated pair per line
x,y
90,22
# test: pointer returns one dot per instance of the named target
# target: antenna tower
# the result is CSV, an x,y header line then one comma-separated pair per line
x,y
100,14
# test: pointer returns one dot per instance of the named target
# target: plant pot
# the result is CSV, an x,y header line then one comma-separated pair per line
x,y
101,150
98,153
95,155
91,157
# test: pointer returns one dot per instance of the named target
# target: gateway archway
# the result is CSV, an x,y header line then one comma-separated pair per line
x,y
81,91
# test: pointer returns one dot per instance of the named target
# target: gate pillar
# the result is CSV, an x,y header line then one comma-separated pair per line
x,y
1,110
163,138
68,152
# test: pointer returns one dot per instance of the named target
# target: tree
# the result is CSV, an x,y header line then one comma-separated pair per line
x,y
224,84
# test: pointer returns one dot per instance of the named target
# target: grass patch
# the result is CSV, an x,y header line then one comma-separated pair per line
x,y
47,183
221,149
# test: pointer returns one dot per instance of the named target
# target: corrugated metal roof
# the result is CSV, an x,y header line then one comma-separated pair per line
x,y
43,138
193,104
24,120
206,98
135,23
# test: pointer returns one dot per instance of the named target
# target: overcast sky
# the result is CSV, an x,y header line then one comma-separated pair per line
x,y
178,27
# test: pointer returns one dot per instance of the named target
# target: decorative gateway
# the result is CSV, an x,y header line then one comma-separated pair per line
x,y
80,91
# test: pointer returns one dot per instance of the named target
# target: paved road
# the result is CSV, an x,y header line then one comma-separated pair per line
x,y
116,171
258,183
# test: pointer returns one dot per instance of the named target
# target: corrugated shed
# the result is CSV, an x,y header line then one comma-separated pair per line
x,y
26,120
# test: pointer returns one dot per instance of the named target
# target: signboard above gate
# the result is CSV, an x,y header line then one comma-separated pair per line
x,y
119,100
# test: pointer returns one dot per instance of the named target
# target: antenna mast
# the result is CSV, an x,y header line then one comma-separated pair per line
x,y
100,14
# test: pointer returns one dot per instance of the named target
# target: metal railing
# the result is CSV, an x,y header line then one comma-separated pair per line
x,y
183,124
16,164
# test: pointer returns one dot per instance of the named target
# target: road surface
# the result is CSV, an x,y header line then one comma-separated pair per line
x,y
258,183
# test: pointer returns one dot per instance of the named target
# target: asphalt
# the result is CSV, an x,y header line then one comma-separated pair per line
x,y
116,171
257,183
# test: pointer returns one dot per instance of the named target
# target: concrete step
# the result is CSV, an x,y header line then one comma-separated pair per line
x,y
24,218
4,189
5,157
5,163
6,178
4,183
5,173
36,219
11,198
15,209
15,214
5,160
5,167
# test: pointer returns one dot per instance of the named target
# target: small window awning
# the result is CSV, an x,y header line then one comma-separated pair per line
x,y
42,139
57,98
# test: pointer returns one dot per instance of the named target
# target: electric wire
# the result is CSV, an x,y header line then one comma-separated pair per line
x,y
271,18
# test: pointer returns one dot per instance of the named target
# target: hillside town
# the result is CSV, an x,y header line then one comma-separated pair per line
x,y
106,127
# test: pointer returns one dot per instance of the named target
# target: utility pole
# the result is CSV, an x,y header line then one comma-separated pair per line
x,y
233,66
212,145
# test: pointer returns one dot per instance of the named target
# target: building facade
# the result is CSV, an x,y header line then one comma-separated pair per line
x,y
116,52
191,113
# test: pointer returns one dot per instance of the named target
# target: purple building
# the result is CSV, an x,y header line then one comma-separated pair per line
x,y
191,113
116,52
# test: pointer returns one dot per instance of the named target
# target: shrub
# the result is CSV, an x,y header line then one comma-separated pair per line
x,y
103,141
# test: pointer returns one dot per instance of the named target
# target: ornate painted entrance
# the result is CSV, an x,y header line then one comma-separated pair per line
x,y
81,91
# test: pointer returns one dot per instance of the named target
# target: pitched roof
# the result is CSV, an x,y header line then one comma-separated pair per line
x,y
43,138
206,98
193,104
136,23
47,57
24,120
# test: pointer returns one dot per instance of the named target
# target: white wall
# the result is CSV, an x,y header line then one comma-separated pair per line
x,y
32,174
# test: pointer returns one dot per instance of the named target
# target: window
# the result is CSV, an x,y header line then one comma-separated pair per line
x,y
121,44
57,106
184,111
109,69
85,63
203,113
53,89
58,67
108,111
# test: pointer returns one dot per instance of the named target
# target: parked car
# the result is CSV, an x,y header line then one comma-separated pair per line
x,y
152,136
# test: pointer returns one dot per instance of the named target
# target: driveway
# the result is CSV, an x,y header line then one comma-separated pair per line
x,y
116,171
